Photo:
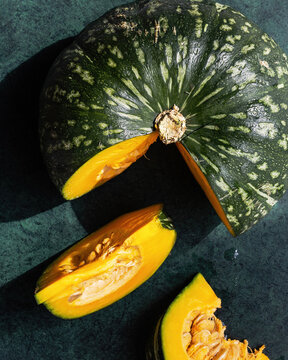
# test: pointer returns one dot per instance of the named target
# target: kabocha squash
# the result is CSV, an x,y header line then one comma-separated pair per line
x,y
196,73
107,265
190,330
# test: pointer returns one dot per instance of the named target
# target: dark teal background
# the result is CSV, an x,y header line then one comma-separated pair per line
x,y
249,273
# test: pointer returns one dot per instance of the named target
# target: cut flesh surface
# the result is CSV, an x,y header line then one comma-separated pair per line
x,y
114,160
190,330
202,181
106,265
106,165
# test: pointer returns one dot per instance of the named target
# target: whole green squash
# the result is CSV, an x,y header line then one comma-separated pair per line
x,y
215,79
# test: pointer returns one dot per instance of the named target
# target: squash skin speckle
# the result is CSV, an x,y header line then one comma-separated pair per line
x,y
228,78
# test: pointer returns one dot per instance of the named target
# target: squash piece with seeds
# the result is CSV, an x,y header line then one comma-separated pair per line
x,y
107,265
196,73
190,330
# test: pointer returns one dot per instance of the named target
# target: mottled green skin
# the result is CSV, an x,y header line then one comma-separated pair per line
x,y
228,78
165,221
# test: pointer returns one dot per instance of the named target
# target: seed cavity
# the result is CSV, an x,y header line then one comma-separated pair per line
x,y
74,297
203,337
125,264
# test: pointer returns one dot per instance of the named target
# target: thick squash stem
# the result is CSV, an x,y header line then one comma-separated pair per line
x,y
171,125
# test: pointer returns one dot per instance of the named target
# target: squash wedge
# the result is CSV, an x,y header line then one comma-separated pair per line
x,y
107,265
190,330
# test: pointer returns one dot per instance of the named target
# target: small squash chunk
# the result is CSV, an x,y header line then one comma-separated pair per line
x,y
203,182
106,165
107,265
190,330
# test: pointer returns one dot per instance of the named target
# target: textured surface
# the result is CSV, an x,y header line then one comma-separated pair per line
x,y
249,273
228,78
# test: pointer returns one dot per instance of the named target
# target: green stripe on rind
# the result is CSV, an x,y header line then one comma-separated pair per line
x,y
243,201
240,104
165,221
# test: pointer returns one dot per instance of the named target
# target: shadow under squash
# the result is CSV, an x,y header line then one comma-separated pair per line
x,y
161,176
119,331
26,189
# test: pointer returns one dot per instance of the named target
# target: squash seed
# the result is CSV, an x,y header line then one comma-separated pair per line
x,y
215,349
186,338
130,263
67,271
98,248
106,241
207,338
82,263
91,256
66,268
74,296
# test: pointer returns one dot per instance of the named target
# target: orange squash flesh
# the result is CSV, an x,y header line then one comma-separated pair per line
x,y
202,181
131,248
114,160
106,165
190,330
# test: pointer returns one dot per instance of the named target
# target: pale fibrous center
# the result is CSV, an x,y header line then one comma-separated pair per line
x,y
171,125
125,261
203,339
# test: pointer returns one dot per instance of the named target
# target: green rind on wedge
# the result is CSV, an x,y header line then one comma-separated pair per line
x,y
166,222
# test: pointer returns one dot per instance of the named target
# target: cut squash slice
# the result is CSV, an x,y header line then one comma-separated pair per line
x,y
203,182
106,165
190,330
107,265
